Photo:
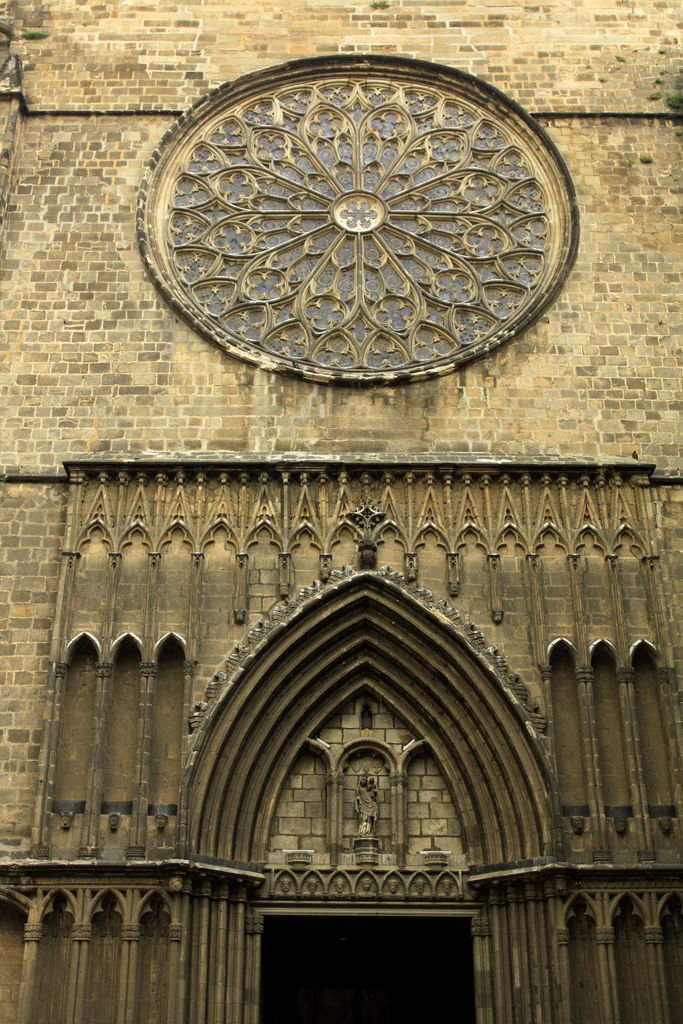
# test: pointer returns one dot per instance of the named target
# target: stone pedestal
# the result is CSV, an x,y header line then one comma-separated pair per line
x,y
366,850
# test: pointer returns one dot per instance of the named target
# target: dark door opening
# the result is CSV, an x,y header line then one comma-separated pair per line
x,y
366,970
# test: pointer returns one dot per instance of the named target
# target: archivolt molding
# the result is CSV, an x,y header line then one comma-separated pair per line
x,y
434,670
472,639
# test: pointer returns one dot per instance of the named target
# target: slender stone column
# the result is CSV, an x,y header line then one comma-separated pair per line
x,y
130,936
252,989
608,984
483,974
176,988
495,602
80,933
91,817
584,681
654,940
334,814
241,592
398,816
536,938
202,953
562,940
521,987
33,932
148,672
55,693
537,618
220,954
238,902
634,760
181,935
501,966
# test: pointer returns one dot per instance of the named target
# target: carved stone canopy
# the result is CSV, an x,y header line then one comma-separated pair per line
x,y
358,219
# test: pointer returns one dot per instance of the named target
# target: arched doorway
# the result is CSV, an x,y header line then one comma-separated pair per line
x,y
366,757
366,969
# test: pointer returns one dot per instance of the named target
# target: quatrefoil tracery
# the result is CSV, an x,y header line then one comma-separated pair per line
x,y
358,226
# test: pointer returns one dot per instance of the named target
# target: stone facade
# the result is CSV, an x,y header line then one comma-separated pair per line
x,y
276,646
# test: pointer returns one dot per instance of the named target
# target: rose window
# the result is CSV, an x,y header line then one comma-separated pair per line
x,y
356,224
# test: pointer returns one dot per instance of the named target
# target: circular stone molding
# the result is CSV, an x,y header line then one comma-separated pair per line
x,y
358,220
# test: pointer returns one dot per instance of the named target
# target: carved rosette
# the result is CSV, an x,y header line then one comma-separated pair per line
x,y
360,222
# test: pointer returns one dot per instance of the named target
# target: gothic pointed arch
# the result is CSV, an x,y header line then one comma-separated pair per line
x,y
422,664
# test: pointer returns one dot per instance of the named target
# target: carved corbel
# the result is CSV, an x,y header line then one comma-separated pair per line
x,y
197,714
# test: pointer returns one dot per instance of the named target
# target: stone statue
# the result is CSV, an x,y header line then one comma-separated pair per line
x,y
365,805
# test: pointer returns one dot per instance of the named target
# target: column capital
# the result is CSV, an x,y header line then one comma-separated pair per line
x,y
33,932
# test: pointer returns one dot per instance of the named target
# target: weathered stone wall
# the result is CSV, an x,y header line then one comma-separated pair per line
x,y
11,950
597,375
141,588
32,531
562,54
106,367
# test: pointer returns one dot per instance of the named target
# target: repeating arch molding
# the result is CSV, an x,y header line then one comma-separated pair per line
x,y
367,632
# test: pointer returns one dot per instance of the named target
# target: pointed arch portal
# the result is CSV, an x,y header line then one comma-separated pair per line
x,y
367,634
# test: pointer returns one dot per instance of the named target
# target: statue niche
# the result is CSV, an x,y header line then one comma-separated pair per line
x,y
369,812
365,805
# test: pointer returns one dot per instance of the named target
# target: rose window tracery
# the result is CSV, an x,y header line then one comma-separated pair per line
x,y
358,225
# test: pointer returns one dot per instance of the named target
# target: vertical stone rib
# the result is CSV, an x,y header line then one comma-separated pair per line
x,y
608,983
132,941
252,992
81,934
501,974
584,682
236,954
220,954
32,935
483,980
241,596
55,682
495,605
334,815
148,672
96,767
202,959
537,618
398,816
